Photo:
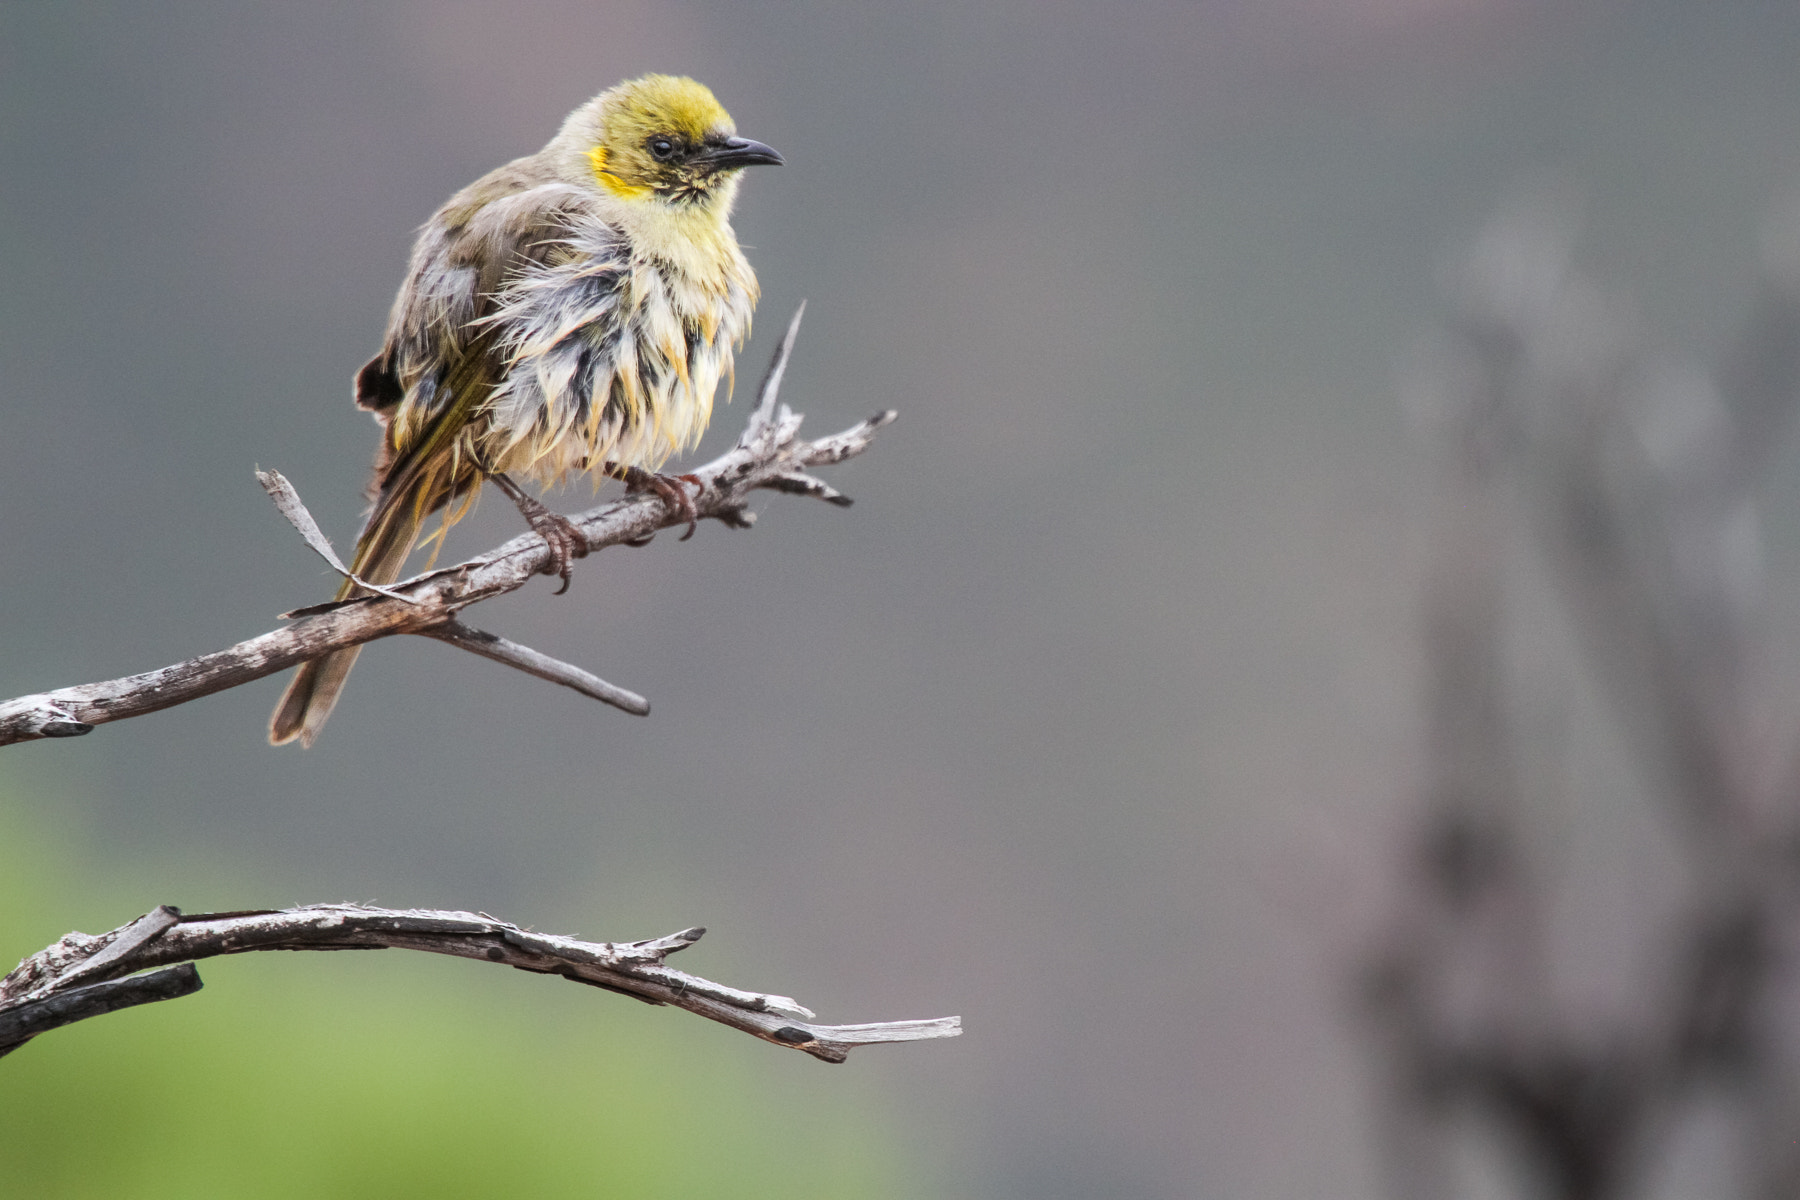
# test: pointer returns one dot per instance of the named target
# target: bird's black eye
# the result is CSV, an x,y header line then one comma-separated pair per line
x,y
662,148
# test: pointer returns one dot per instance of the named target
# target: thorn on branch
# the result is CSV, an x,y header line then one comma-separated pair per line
x,y
660,948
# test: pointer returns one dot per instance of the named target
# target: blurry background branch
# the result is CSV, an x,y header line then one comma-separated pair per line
x,y
1632,474
768,454
82,976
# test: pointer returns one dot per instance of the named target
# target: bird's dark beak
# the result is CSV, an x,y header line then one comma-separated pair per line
x,y
740,152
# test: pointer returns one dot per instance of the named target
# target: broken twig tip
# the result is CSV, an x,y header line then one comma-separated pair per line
x,y
287,502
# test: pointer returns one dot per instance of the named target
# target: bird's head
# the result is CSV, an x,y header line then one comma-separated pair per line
x,y
662,140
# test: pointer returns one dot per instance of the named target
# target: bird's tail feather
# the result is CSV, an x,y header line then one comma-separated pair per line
x,y
387,538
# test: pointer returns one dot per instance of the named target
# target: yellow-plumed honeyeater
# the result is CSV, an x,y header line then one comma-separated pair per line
x,y
571,311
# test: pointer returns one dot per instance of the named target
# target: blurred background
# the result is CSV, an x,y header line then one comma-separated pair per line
x,y
1098,720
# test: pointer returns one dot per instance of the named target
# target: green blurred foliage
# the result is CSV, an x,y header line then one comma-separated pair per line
x,y
390,1074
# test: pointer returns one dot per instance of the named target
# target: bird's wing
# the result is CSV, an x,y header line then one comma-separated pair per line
x,y
461,257
439,361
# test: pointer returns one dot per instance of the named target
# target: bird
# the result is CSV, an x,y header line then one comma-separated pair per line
x,y
573,311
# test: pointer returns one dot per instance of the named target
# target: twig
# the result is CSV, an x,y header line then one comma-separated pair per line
x,y
768,454
501,650
82,976
20,1023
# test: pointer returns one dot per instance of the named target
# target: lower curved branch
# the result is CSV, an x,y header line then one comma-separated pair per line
x,y
83,976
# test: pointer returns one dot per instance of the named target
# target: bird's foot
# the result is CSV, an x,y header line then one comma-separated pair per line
x,y
668,488
566,541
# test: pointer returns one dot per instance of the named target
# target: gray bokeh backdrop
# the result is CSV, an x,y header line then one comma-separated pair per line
x,y
1092,721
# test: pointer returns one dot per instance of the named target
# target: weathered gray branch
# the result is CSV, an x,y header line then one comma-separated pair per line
x,y
532,662
82,976
768,454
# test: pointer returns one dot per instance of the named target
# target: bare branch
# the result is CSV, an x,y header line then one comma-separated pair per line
x,y
21,1022
768,454
82,976
501,650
